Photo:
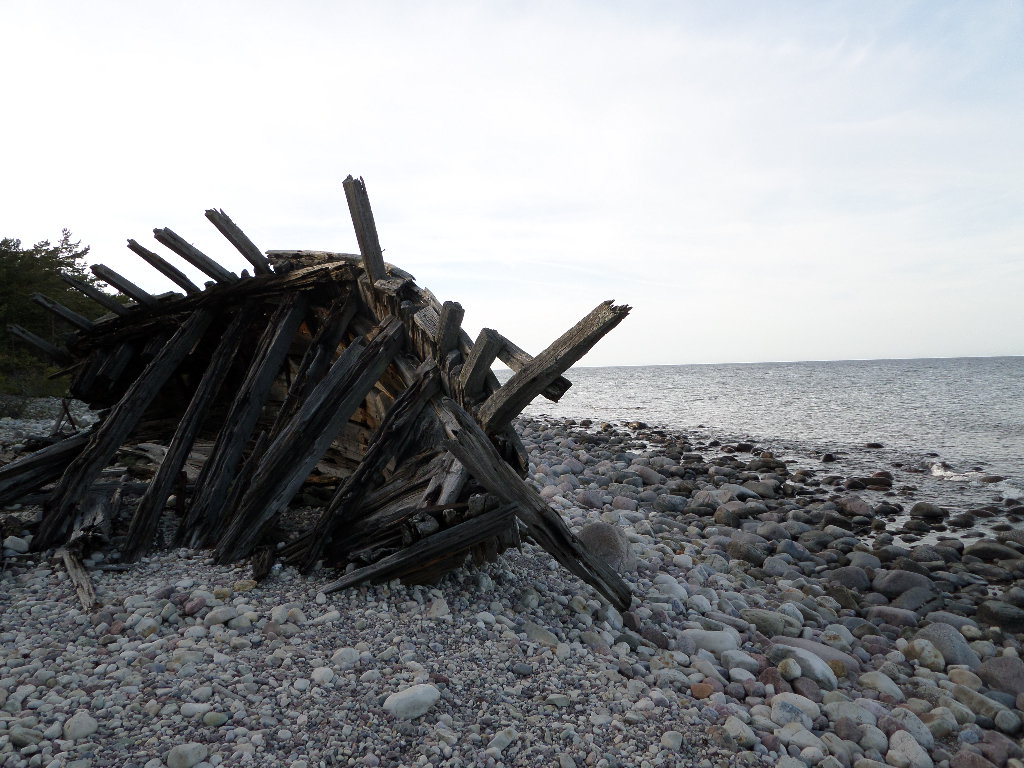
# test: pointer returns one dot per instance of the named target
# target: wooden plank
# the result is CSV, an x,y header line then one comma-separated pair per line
x,y
449,325
204,521
292,456
445,543
123,284
387,441
113,431
516,359
58,309
101,298
468,442
240,240
143,527
533,378
194,256
30,473
478,363
52,351
79,578
164,267
366,229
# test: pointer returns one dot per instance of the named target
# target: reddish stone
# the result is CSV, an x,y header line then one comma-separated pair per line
x,y
967,759
701,690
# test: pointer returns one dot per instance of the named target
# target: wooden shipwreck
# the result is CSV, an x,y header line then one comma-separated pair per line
x,y
324,371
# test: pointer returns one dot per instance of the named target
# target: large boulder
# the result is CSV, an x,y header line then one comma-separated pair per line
x,y
1004,673
950,643
609,543
1000,614
839,662
894,583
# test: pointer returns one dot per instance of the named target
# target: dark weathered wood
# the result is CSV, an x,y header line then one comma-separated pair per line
x,y
451,541
147,514
516,358
123,284
79,578
94,520
478,363
52,351
366,229
113,431
214,483
240,240
292,456
58,309
101,298
164,267
194,256
387,441
473,448
30,473
534,377
449,325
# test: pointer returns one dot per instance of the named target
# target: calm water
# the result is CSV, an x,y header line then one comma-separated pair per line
x,y
968,411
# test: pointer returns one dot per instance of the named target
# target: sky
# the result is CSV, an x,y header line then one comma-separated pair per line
x,y
758,180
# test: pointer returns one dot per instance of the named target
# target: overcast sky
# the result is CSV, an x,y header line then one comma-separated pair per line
x,y
759,180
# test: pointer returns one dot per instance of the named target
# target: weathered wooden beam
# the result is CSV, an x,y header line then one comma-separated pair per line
x,y
52,351
240,240
443,544
516,359
194,256
113,431
534,377
147,514
468,442
101,298
291,457
387,441
351,258
79,578
366,229
205,517
123,284
478,363
29,473
58,309
164,267
449,326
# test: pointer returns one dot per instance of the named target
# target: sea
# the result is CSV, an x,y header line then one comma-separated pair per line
x,y
947,426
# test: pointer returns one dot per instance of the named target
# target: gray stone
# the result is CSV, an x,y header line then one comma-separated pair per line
x,y
538,634
810,665
841,663
413,702
713,641
80,725
851,577
1000,614
950,643
609,543
187,755
895,583
882,683
16,544
1004,673
905,752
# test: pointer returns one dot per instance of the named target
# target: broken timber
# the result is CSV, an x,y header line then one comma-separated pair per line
x,y
325,380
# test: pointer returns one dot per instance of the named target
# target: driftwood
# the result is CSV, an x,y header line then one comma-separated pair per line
x,y
324,380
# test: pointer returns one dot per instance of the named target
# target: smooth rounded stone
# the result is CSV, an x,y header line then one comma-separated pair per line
x,y
887,614
905,752
879,681
672,740
990,551
609,543
926,654
713,641
983,706
794,733
770,622
215,719
965,758
192,708
839,637
953,619
961,676
851,577
522,669
810,664
927,511
220,615
741,733
413,702
901,718
503,738
346,658
941,722
790,669
784,713
80,725
735,659
997,613
804,704
863,559
16,544
1007,721
837,710
322,675
840,662
872,738
187,755
1003,673
894,583
538,634
950,643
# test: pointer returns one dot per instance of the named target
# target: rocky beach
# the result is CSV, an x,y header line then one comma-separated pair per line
x,y
784,615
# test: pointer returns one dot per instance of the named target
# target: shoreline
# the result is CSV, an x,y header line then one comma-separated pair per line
x,y
764,632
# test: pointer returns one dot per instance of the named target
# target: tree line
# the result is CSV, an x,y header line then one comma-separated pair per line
x,y
25,271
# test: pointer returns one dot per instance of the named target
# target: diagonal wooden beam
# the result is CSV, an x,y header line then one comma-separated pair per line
x,y
534,377
516,359
101,298
68,315
123,284
57,354
193,255
29,473
468,442
112,432
240,240
164,267
366,229
478,364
